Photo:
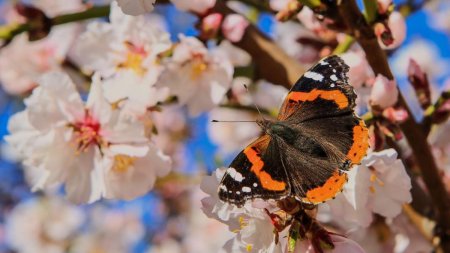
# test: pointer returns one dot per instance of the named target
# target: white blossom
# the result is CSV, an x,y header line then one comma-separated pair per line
x,y
197,77
72,139
379,185
126,43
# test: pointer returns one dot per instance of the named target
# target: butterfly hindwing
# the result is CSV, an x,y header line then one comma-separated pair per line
x,y
256,172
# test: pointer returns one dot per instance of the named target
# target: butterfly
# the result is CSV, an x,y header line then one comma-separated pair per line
x,y
307,150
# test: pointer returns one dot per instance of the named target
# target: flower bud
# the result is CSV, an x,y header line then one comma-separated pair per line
x,y
233,27
384,92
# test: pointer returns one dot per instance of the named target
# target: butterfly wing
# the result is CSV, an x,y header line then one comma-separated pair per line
x,y
322,91
320,108
255,173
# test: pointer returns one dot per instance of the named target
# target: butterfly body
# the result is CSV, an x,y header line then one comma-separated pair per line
x,y
306,151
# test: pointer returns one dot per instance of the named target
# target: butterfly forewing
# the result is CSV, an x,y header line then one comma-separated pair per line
x,y
256,172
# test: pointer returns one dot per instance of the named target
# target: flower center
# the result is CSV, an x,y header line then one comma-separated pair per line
x,y
87,133
135,58
198,67
374,178
122,163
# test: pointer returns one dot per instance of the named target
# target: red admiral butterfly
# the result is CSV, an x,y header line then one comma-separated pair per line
x,y
306,151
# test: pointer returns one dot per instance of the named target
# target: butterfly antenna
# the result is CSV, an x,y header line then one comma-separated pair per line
x,y
253,100
233,121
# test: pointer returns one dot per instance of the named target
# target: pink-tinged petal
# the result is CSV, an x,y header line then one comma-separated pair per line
x,y
393,35
360,69
395,115
310,21
233,27
383,5
130,175
384,92
55,101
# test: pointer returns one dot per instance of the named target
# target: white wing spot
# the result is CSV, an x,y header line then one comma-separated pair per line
x,y
235,175
314,76
229,191
255,185
223,187
246,189
334,70
323,63
333,77
332,85
238,193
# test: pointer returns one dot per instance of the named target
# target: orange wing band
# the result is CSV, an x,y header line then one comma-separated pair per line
x,y
327,191
333,95
360,143
267,182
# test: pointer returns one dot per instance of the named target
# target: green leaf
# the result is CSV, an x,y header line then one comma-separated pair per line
x,y
311,3
293,236
370,10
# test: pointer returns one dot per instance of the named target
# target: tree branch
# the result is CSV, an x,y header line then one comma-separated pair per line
x,y
8,32
417,139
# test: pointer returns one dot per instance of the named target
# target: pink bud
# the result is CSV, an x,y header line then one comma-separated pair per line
x,y
210,25
360,69
384,92
383,5
309,20
414,70
396,29
395,115
233,27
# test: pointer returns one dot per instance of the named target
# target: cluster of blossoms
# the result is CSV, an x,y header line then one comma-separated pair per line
x,y
379,186
108,105
105,144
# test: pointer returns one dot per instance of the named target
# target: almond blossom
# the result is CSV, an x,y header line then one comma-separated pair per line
x,y
99,148
22,61
199,78
379,185
233,27
125,43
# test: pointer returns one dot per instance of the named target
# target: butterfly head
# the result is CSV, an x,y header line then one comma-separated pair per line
x,y
277,128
